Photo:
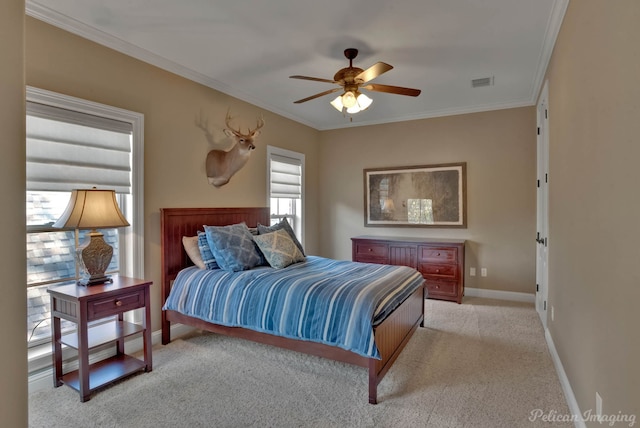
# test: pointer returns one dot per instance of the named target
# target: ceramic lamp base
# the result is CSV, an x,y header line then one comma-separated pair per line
x,y
94,258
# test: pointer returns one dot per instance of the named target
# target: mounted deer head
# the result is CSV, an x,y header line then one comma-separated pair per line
x,y
221,165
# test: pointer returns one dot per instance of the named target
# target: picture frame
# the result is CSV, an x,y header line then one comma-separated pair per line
x,y
416,196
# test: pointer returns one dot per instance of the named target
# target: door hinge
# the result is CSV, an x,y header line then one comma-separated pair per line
x,y
545,114
545,242
537,287
538,130
545,305
546,177
538,183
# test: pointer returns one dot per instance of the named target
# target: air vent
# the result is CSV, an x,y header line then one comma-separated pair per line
x,y
484,81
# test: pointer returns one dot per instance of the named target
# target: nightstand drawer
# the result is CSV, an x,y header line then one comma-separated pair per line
x,y
101,308
438,254
438,271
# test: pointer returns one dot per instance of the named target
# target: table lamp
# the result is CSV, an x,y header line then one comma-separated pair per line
x,y
93,209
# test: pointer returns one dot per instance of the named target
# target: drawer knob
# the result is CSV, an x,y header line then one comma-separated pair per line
x,y
370,249
438,254
437,286
437,270
118,303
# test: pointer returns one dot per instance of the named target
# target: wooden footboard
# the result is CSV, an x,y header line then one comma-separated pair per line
x,y
391,335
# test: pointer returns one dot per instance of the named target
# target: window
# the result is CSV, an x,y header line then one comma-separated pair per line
x,y
71,144
285,179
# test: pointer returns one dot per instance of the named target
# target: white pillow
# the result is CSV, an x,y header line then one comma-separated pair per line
x,y
190,244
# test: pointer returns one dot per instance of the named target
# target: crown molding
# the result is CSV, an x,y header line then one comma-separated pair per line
x,y
551,35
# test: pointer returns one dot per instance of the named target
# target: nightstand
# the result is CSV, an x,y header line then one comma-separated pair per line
x,y
82,305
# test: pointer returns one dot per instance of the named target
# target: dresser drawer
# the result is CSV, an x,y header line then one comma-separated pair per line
x,y
442,288
440,261
367,250
438,254
438,271
101,308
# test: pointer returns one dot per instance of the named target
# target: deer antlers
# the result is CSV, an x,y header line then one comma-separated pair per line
x,y
237,132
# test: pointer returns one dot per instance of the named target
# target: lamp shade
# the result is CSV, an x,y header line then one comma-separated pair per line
x,y
92,209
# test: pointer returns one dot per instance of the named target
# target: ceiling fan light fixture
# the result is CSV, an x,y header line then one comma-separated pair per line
x,y
337,103
364,101
349,99
354,109
360,102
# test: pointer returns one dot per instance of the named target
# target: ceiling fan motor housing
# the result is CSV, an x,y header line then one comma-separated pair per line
x,y
346,76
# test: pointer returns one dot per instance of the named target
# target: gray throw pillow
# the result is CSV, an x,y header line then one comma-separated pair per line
x,y
283,224
279,249
233,247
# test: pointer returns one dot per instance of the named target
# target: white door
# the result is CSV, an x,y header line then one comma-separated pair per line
x,y
542,228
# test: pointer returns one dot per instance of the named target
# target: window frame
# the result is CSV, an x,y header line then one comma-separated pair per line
x,y
300,157
39,356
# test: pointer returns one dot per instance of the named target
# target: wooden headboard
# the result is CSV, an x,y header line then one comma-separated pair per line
x,y
178,222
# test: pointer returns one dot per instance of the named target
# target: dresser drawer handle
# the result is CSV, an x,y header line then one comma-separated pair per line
x,y
437,270
438,254
437,286
118,302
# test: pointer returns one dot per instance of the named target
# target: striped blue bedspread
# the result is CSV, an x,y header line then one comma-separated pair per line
x,y
320,300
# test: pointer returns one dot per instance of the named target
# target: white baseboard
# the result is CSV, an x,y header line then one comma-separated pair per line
x,y
500,295
44,378
564,381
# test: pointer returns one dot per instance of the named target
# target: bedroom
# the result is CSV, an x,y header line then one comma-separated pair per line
x,y
498,145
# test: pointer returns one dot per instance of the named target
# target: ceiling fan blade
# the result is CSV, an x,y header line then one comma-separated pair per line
x,y
393,89
317,95
374,71
315,79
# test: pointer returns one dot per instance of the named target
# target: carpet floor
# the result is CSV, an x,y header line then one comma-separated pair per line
x,y
484,363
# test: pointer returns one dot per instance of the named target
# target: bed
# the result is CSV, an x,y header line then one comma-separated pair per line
x,y
390,334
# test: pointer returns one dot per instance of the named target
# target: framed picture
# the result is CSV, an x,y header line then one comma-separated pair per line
x,y
416,196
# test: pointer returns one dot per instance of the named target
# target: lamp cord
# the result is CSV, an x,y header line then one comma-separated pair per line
x,y
34,329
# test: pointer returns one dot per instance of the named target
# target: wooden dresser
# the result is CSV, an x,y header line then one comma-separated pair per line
x,y
441,261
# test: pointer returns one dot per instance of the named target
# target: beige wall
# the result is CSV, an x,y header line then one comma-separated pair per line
x,y
174,148
13,309
500,150
594,125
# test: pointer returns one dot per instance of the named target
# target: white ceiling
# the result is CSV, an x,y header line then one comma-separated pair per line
x,y
249,48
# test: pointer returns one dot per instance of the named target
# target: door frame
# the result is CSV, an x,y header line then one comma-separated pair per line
x,y
542,205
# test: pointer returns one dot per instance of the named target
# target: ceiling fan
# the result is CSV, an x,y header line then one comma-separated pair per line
x,y
351,79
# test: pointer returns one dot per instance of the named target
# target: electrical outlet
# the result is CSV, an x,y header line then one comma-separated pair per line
x,y
598,405
472,271
483,271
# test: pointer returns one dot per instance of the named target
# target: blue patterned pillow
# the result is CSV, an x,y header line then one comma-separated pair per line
x,y
284,224
205,251
233,247
279,249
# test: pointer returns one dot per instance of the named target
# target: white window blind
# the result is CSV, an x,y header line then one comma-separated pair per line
x,y
69,150
286,177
